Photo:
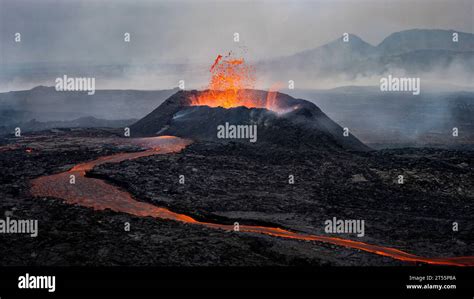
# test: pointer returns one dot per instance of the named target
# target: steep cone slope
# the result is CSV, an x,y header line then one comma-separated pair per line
x,y
280,119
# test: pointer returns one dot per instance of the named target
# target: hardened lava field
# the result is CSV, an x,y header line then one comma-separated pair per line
x,y
236,182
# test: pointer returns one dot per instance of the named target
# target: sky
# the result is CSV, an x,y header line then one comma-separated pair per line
x,y
92,31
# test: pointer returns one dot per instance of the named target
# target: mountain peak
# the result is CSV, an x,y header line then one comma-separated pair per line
x,y
41,87
354,48
426,39
354,41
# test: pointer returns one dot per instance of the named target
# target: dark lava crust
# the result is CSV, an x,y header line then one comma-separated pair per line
x,y
73,235
227,182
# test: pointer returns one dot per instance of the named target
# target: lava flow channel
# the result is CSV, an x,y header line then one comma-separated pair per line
x,y
97,194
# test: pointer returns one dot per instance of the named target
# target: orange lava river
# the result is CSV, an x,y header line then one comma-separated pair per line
x,y
97,194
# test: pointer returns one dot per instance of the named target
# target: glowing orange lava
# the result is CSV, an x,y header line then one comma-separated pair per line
x,y
230,77
97,194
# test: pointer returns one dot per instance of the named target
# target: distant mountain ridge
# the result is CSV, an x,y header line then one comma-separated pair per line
x,y
418,39
46,104
410,52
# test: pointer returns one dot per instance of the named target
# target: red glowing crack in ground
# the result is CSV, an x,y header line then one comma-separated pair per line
x,y
97,194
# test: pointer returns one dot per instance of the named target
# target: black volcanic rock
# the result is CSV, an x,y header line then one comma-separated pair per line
x,y
299,123
159,118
